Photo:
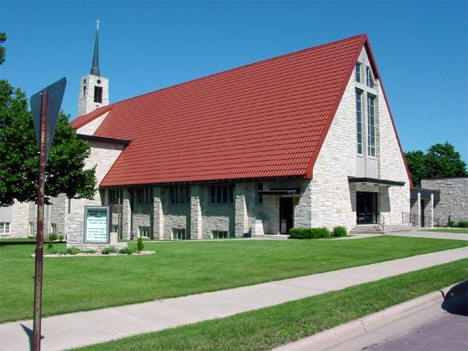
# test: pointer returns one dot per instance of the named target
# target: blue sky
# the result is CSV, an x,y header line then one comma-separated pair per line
x,y
421,48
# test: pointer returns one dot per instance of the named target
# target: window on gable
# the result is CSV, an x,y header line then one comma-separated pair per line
x,y
359,120
369,78
371,125
358,72
97,94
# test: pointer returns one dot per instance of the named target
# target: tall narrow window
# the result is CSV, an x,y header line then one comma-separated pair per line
x,y
369,78
97,94
359,121
358,72
84,90
370,125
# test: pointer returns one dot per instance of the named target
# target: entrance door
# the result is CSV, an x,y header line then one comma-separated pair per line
x,y
366,207
286,209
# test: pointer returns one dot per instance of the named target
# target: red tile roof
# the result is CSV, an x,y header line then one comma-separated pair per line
x,y
263,120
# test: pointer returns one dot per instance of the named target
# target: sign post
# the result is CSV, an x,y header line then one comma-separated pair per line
x,y
45,106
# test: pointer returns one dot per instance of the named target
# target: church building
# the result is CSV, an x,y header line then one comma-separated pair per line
x,y
305,139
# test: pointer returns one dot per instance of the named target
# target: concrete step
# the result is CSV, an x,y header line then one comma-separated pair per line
x,y
366,229
270,237
398,228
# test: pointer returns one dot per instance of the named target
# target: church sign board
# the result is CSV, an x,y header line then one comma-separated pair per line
x,y
96,224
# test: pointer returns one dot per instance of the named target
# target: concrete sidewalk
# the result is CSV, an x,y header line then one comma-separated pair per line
x,y
85,328
432,235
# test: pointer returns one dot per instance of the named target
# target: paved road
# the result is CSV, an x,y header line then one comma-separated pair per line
x,y
447,333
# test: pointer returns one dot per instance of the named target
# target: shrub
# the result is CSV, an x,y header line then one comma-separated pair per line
x,y
49,246
309,233
140,244
339,231
462,224
52,237
126,251
72,251
60,237
451,224
108,250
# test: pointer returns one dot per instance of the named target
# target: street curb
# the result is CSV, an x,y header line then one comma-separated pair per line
x,y
345,332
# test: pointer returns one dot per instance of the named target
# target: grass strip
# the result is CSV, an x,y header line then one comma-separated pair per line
x,y
269,327
182,268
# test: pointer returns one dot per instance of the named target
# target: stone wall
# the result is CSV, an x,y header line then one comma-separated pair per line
x,y
332,196
453,198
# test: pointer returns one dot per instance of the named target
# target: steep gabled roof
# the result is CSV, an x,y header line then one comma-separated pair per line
x,y
263,120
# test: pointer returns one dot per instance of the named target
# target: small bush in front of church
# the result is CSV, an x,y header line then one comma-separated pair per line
x,y
309,233
339,231
140,244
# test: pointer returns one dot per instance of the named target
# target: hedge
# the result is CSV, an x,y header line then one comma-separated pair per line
x,y
316,233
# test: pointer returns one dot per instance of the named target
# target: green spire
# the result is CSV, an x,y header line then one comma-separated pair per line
x,y
95,65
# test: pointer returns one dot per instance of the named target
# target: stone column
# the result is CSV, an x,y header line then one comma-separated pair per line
x,y
195,213
241,217
303,209
418,220
158,215
431,208
126,214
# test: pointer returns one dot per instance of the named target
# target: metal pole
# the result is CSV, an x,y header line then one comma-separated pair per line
x,y
40,230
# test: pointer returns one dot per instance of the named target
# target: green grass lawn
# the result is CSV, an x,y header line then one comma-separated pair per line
x,y
447,230
182,268
266,328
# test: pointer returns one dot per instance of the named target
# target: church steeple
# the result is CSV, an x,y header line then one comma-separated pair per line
x,y
94,89
95,64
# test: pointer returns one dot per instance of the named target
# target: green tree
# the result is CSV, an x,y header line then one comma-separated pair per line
x,y
441,161
19,157
416,165
3,37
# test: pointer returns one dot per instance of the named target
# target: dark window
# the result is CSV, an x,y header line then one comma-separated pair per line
x,y
222,193
84,90
180,234
221,234
369,78
97,94
114,196
358,72
359,120
144,195
371,137
180,194
259,195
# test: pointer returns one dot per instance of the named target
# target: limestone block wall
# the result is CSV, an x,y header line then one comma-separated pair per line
x,y
453,198
215,216
330,191
392,166
141,217
175,215
332,196
91,127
